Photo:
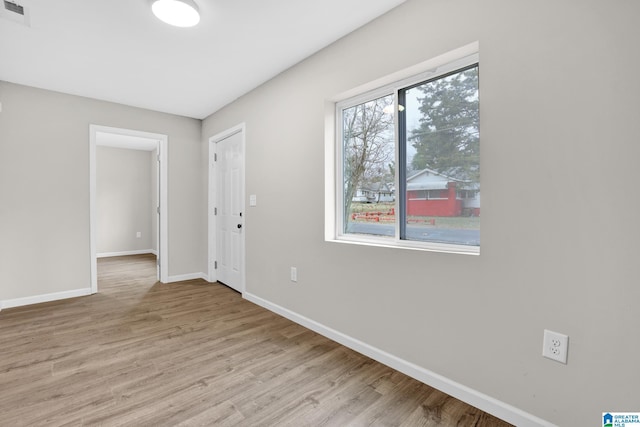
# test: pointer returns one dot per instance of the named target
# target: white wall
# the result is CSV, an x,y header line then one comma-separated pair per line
x,y
124,197
559,110
44,188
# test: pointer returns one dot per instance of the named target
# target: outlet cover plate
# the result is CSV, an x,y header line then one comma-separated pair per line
x,y
555,346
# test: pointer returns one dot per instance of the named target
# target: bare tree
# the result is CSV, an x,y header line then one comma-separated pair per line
x,y
368,146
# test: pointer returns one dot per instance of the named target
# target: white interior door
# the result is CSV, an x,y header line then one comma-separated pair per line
x,y
156,200
229,165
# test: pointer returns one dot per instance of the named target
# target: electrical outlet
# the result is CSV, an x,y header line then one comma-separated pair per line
x,y
139,234
555,346
294,274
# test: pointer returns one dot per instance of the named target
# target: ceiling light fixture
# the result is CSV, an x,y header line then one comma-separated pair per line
x,y
179,13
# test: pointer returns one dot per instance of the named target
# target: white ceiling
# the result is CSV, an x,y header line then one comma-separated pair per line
x,y
116,50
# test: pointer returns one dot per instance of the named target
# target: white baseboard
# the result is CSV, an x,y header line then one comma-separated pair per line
x,y
183,277
466,394
123,253
37,299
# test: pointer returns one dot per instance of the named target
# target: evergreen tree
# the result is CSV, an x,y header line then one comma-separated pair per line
x,y
447,139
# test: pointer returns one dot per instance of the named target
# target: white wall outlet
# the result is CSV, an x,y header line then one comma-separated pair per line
x,y
294,274
555,346
139,234
253,200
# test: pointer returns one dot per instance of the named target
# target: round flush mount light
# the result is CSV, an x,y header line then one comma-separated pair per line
x,y
179,13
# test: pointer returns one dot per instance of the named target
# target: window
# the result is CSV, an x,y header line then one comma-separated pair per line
x,y
427,195
408,161
467,194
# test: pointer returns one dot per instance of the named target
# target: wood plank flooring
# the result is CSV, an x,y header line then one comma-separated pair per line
x,y
141,353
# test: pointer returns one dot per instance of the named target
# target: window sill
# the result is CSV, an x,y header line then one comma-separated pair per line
x,y
406,244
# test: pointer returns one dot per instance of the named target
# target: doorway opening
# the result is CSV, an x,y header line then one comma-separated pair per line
x,y
103,139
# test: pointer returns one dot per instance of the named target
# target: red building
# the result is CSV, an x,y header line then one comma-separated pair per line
x,y
430,193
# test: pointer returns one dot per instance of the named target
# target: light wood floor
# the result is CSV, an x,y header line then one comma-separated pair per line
x,y
141,353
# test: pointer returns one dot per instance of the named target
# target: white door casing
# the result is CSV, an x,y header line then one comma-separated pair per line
x,y
226,208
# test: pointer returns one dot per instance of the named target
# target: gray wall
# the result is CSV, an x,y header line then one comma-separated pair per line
x,y
559,130
124,195
44,188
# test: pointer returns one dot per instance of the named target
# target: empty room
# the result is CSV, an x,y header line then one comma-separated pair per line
x,y
337,213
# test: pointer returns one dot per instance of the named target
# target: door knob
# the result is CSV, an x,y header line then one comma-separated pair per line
x,y
239,225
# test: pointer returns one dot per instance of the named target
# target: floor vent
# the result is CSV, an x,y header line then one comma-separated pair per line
x,y
15,12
